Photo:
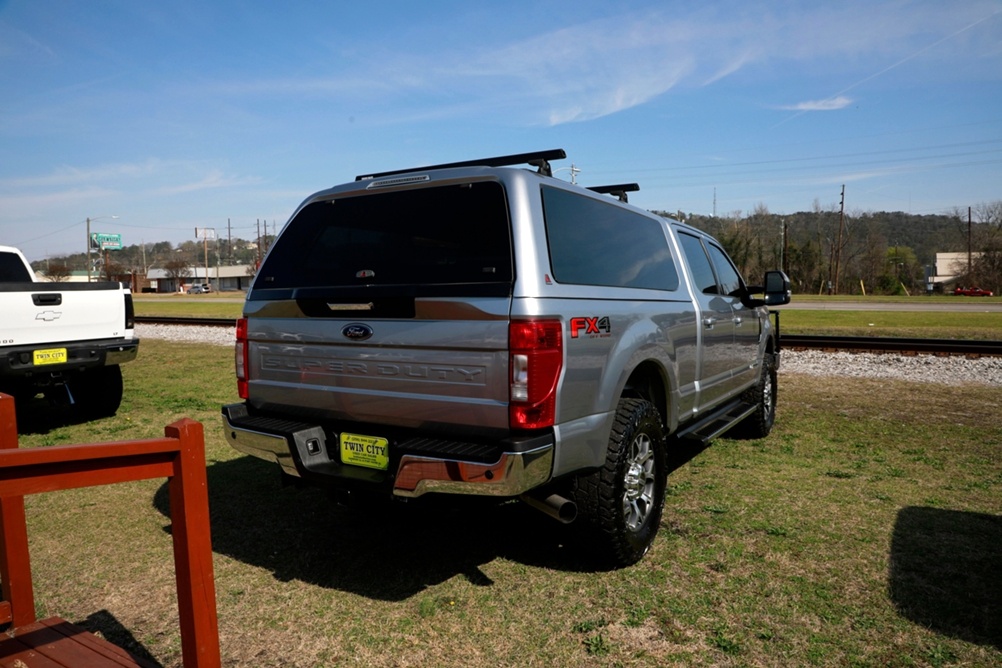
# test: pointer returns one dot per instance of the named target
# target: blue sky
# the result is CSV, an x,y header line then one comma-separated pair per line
x,y
176,115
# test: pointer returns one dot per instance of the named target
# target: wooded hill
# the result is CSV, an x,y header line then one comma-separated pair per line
x,y
882,252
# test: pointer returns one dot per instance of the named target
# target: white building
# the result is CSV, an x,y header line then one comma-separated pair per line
x,y
222,279
950,266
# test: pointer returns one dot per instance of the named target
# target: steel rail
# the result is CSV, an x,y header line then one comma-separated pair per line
x,y
795,341
892,345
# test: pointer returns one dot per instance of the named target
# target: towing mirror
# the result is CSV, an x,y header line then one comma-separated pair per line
x,y
777,288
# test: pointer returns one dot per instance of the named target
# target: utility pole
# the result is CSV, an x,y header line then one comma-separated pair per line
x,y
88,245
258,244
838,249
786,248
229,241
970,262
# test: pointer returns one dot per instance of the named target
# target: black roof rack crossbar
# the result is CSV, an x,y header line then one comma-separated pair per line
x,y
618,190
538,159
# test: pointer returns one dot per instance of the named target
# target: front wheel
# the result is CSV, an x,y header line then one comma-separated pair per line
x,y
621,503
763,397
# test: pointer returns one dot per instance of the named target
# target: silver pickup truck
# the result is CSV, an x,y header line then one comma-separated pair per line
x,y
482,328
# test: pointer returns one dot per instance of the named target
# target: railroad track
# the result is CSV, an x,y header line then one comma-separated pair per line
x,y
876,344
871,344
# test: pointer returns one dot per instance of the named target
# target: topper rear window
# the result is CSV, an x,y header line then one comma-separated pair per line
x,y
444,235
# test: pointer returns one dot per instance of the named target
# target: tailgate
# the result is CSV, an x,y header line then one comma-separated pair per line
x,y
40,313
422,372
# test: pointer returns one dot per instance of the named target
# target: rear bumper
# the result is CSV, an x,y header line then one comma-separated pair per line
x,y
418,463
18,361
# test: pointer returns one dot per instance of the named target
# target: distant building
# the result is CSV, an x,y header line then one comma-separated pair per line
x,y
950,267
222,279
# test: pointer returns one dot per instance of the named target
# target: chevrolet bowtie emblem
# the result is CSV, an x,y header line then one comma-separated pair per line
x,y
48,316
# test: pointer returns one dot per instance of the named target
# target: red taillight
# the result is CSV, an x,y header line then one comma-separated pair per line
x,y
535,359
240,358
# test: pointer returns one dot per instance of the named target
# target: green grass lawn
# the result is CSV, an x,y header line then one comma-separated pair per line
x,y
904,324
898,324
213,305
865,531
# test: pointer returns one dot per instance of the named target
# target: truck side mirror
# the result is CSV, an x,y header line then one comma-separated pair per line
x,y
777,288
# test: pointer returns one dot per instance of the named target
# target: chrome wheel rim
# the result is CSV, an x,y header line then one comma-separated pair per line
x,y
638,482
767,393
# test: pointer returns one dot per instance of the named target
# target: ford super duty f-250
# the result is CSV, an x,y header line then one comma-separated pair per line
x,y
480,328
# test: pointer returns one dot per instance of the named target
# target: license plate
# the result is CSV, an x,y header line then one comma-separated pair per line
x,y
50,356
369,451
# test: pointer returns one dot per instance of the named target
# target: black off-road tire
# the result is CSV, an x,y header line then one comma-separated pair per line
x,y
98,392
763,396
620,504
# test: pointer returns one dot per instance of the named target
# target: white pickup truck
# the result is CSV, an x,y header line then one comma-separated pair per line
x,y
63,340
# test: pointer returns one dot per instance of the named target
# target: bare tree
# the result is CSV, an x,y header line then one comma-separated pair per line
x,y
56,272
177,270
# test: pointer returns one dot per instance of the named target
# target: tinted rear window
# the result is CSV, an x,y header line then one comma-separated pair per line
x,y
12,269
600,243
442,235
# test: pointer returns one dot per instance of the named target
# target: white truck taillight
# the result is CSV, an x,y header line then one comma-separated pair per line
x,y
240,358
536,357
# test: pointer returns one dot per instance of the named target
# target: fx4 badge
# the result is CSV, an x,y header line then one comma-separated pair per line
x,y
590,327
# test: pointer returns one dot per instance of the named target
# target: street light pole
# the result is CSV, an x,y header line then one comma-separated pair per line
x,y
88,241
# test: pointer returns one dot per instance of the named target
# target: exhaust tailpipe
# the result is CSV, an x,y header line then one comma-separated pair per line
x,y
559,508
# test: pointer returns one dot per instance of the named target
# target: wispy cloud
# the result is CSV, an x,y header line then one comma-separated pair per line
x,y
213,180
617,62
830,104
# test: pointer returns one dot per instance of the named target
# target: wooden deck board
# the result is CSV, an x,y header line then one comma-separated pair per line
x,y
55,643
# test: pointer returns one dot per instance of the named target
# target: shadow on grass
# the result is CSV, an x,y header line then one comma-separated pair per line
x,y
38,416
946,572
385,552
111,629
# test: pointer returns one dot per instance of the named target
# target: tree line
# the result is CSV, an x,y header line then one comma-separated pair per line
x,y
828,252
822,250
138,259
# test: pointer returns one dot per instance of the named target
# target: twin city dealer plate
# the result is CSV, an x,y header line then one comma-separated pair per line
x,y
368,451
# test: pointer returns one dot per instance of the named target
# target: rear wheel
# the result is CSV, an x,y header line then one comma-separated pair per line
x,y
98,392
621,503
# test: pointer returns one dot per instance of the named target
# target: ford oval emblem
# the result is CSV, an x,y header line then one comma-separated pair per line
x,y
356,332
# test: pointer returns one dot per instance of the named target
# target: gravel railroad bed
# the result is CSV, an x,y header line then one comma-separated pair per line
x,y
953,370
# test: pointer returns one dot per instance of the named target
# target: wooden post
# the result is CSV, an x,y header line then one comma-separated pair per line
x,y
15,562
189,511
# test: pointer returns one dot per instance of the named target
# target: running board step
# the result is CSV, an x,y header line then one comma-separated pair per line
x,y
717,422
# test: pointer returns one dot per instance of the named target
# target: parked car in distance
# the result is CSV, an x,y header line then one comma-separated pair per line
x,y
973,292
200,289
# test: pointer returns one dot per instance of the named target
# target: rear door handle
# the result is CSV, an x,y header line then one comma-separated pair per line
x,y
708,322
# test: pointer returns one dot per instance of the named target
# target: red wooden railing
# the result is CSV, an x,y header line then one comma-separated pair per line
x,y
179,456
